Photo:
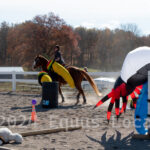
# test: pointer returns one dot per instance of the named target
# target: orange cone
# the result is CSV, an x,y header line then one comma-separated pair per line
x,y
33,114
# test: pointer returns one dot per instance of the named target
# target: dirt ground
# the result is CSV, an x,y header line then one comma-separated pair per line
x,y
95,134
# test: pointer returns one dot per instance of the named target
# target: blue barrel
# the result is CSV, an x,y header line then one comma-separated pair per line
x,y
50,94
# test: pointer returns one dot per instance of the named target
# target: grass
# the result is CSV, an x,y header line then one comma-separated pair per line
x,y
27,88
7,86
20,87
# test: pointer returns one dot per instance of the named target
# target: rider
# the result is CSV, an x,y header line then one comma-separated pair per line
x,y
58,57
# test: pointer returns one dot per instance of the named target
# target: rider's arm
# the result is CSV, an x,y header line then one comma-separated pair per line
x,y
57,56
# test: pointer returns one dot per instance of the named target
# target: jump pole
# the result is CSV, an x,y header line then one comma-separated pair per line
x,y
146,137
49,131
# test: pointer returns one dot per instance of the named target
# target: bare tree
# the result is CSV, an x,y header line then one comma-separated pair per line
x,y
131,27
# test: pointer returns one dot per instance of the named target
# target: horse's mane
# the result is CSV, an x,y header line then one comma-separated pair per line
x,y
40,56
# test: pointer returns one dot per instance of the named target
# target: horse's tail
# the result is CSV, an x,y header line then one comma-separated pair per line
x,y
91,81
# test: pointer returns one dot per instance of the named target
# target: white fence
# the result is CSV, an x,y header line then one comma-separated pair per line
x,y
104,74
14,79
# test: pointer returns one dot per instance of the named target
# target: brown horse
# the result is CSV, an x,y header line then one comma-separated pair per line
x,y
77,74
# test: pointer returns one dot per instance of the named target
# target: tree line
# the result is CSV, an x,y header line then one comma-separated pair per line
x,y
103,49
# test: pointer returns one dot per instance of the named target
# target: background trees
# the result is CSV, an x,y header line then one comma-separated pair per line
x,y
106,49
3,42
39,36
103,49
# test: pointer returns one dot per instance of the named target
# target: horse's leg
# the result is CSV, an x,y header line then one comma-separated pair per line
x,y
60,92
78,86
78,97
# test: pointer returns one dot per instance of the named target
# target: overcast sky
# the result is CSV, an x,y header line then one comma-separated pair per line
x,y
88,13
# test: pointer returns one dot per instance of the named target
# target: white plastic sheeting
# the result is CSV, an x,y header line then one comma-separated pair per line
x,y
135,60
102,83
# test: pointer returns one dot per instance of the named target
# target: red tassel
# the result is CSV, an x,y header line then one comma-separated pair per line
x,y
99,103
108,115
137,91
117,111
132,95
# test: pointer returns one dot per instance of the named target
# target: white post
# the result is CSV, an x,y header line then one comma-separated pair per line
x,y
13,81
148,115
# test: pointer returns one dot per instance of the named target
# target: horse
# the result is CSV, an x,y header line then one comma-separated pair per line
x,y
77,74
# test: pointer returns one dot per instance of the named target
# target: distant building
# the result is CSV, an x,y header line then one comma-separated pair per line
x,y
10,69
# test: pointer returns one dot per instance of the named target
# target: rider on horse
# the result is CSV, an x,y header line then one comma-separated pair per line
x,y
58,57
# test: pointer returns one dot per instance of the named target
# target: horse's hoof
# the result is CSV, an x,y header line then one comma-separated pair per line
x,y
84,103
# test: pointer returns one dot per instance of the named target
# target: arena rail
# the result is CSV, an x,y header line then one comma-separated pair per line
x,y
14,79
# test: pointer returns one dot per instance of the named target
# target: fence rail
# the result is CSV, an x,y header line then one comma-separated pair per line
x,y
14,79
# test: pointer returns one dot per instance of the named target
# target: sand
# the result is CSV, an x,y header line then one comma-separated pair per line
x,y
95,134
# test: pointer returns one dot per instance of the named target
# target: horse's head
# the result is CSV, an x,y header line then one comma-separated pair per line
x,y
39,61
